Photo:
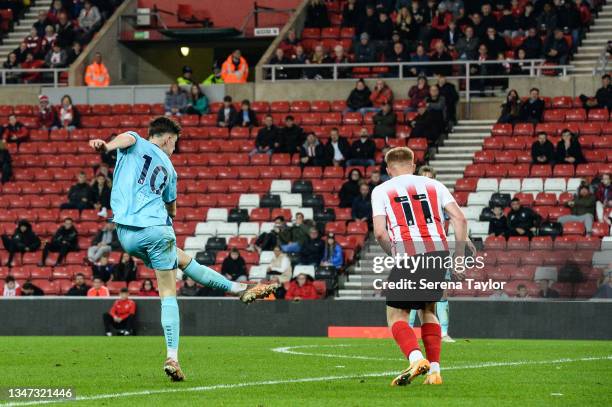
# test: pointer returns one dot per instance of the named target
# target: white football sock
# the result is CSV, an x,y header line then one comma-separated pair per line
x,y
172,354
238,287
434,367
415,356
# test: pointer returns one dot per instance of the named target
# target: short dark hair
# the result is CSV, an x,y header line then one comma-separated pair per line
x,y
246,102
227,99
606,76
68,218
542,132
9,279
515,200
532,89
281,218
162,125
79,275
124,290
289,117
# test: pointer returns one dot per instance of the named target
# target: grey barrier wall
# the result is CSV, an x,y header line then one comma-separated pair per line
x,y
200,316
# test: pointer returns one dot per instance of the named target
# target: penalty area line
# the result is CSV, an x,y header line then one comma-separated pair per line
x,y
293,381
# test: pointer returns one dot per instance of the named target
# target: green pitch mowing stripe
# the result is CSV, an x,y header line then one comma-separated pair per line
x,y
237,371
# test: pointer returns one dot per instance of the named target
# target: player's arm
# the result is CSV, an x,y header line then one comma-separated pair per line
x,y
460,227
123,140
171,208
380,233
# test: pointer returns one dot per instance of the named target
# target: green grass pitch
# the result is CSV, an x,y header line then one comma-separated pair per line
x,y
247,371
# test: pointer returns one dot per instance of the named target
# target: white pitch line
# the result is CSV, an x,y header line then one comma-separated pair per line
x,y
289,350
293,381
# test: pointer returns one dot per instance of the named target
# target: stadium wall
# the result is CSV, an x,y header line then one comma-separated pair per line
x,y
228,317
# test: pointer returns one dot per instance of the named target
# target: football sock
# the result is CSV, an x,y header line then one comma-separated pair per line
x,y
411,318
434,367
407,341
210,278
442,311
432,339
171,324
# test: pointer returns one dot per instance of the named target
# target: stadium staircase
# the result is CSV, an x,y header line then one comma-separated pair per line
x,y
459,148
595,42
22,27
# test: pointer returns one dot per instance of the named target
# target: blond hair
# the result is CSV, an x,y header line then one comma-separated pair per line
x,y
399,155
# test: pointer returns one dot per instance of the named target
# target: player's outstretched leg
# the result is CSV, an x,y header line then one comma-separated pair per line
x,y
210,278
407,341
432,340
170,321
443,317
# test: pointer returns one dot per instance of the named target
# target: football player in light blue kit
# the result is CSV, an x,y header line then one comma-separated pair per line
x,y
143,201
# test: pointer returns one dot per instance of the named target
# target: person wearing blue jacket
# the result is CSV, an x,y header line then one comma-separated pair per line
x,y
332,253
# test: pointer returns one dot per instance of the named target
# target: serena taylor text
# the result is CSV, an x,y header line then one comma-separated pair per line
x,y
424,284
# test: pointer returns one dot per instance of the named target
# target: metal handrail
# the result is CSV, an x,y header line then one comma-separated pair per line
x,y
56,72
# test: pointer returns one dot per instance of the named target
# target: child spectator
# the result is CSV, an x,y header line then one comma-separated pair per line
x,y
246,116
102,269
234,266
68,115
29,289
498,225
121,315
301,288
332,253
147,289
98,289
47,116
11,287
227,115
15,131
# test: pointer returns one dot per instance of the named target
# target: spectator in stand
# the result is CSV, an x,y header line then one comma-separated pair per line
x,y
101,193
227,115
568,18
98,289
80,287
147,289
362,150
418,93
312,152
21,51
235,68
54,11
312,250
126,269
186,77
351,14
364,50
362,205
280,59
419,56
332,253
31,63
451,97
41,23
498,225
301,288
11,63
319,56
547,20
385,122
300,58
65,239
521,220
350,189
267,137
359,98
290,43
121,315
467,46
96,74
542,150
291,137
316,15
11,287
436,106
215,77
368,22
246,116
397,54
197,102
383,30
603,96
441,20
533,108
56,57
556,50
440,54
495,43
102,269
33,43
532,44
375,179
521,291
511,108
105,241
381,94
569,150
47,115
339,57
293,238
424,125
89,20
29,289
176,101
15,131
234,266
23,240
68,116
603,194
583,209
48,40
604,284
406,25
189,288
279,235
280,266
6,167
337,149
80,195
546,290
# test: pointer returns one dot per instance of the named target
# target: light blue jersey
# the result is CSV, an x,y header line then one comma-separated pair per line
x,y
143,182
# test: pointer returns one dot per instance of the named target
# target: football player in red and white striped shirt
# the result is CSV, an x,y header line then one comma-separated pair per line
x,y
408,216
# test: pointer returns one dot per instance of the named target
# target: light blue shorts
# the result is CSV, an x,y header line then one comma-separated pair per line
x,y
155,245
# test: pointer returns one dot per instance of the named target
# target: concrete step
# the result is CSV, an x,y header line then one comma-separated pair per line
x,y
600,28
604,35
463,143
595,41
473,122
454,155
472,129
591,48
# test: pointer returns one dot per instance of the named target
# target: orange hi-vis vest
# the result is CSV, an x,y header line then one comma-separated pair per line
x,y
97,75
232,75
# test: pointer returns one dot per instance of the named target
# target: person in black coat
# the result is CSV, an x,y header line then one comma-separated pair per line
x,y
28,289
267,138
449,92
569,150
363,150
291,137
234,266
80,287
6,166
226,116
362,205
521,220
102,269
498,225
542,150
532,44
351,14
126,269
359,98
80,195
511,109
350,189
23,240
385,122
65,239
556,50
533,108
337,149
101,192
312,250
312,153
246,116
316,15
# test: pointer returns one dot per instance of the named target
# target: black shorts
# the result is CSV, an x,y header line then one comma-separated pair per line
x,y
431,270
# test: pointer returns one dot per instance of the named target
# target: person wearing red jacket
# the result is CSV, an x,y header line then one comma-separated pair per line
x,y
381,94
47,116
14,131
121,315
301,288
31,63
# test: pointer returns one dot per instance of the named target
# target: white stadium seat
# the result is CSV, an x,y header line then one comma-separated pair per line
x,y
266,257
217,214
258,272
207,228
291,200
227,229
555,185
472,212
196,243
479,229
266,227
307,212
510,185
487,184
532,185
573,184
302,269
248,229
602,258
248,201
280,185
479,198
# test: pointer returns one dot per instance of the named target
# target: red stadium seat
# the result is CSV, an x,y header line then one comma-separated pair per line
x,y
574,228
575,115
523,129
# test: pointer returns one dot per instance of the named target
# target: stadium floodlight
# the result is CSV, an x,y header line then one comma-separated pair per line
x,y
185,51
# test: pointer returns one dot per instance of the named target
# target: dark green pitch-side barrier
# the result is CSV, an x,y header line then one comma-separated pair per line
x,y
200,316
